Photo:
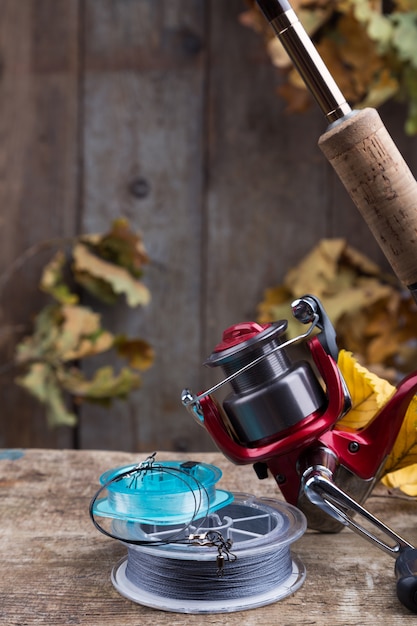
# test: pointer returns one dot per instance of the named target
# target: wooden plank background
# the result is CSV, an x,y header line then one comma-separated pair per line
x,y
163,111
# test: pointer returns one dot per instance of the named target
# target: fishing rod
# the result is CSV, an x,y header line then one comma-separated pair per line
x,y
359,148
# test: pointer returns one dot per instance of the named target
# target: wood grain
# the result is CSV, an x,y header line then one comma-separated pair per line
x,y
58,566
38,173
164,111
144,116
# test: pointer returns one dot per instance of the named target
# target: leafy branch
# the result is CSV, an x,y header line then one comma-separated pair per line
x,y
369,47
65,332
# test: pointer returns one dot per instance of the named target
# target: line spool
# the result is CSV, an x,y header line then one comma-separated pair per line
x,y
173,567
167,492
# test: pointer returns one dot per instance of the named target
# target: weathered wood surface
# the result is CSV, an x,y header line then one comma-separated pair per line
x,y
57,567
163,111
39,173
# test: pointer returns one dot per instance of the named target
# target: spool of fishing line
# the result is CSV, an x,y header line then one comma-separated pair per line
x,y
167,492
231,557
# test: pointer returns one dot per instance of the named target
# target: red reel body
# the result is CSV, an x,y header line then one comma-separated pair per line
x,y
283,415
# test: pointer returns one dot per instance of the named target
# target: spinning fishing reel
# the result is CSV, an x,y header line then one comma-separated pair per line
x,y
282,415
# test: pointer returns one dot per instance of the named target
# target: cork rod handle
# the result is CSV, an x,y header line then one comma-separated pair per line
x,y
380,184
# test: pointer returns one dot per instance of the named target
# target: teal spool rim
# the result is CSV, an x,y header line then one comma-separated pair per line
x,y
208,475
171,492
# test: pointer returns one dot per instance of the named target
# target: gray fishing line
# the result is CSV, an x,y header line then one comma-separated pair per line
x,y
199,580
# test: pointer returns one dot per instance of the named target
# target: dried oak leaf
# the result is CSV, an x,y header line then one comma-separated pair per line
x,y
81,334
358,52
372,316
116,279
318,268
120,246
139,353
297,99
64,333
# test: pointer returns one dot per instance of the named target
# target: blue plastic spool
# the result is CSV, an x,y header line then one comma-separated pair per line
x,y
168,492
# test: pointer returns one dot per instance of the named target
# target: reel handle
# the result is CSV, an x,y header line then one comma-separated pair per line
x,y
324,493
406,573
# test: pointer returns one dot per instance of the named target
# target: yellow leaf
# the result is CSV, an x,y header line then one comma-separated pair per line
x,y
121,281
318,268
276,306
139,354
360,262
351,299
404,479
404,451
384,87
405,5
368,392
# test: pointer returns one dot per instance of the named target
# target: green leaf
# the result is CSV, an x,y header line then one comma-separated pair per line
x,y
405,36
362,10
41,382
52,281
410,86
64,333
96,286
384,87
42,343
380,29
103,387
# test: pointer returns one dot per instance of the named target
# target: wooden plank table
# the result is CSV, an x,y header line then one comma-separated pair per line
x,y
56,566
